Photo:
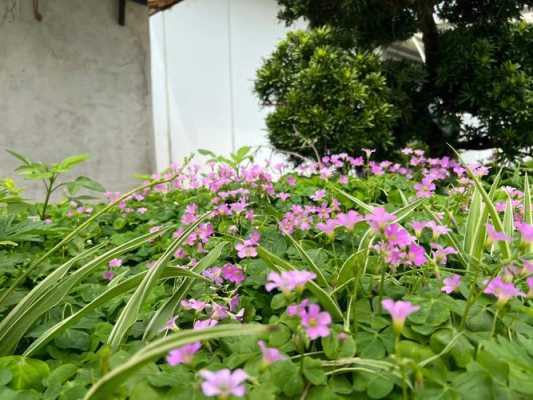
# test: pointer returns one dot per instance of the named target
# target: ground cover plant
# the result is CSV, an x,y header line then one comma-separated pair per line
x,y
343,278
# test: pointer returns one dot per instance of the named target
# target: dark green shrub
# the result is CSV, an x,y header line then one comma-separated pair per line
x,y
327,97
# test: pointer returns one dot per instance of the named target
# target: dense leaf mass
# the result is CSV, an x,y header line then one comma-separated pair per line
x,y
342,278
472,92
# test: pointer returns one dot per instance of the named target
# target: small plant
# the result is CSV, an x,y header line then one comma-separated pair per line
x,y
49,175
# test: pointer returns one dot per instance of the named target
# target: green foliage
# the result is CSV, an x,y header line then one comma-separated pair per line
x,y
326,99
49,175
473,92
67,331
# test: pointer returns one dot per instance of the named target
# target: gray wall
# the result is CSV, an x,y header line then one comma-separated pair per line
x,y
76,82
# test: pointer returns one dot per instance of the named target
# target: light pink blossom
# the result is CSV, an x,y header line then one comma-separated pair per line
x,y
224,383
451,283
183,354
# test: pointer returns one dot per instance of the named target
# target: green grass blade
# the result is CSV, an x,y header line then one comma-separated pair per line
x,y
167,310
321,279
280,265
103,388
508,218
5,294
496,220
130,312
361,204
114,291
25,318
528,209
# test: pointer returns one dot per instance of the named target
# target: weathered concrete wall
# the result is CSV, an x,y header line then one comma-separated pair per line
x,y
76,82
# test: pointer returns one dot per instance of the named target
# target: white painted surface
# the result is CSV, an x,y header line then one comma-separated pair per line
x,y
203,98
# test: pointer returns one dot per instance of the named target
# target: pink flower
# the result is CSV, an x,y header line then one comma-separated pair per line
x,y
425,188
115,262
248,247
318,195
297,309
503,291
416,255
232,273
451,283
190,214
183,354
270,354
368,152
396,235
108,275
215,274
496,236
287,281
328,227
379,218
418,227
170,325
440,253
291,180
526,230
283,196
349,219
437,229
224,383
193,304
206,323
219,312
343,180
315,322
399,311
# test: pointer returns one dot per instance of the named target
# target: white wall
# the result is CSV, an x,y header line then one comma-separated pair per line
x,y
204,57
76,82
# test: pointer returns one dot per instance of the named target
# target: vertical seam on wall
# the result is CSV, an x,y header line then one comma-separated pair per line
x,y
167,90
231,99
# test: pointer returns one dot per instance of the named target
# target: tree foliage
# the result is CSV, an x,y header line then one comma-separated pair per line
x,y
474,90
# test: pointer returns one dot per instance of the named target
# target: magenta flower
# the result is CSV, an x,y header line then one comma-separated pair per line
x,y
437,229
418,227
287,281
349,219
398,236
183,354
416,255
219,312
193,304
502,290
248,246
328,227
399,311
530,287
270,354
425,188
318,195
315,322
379,218
526,230
451,283
214,274
170,325
440,253
233,273
297,309
224,383
496,236
108,275
206,323
115,262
